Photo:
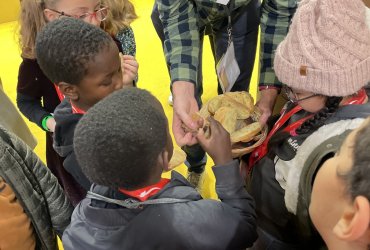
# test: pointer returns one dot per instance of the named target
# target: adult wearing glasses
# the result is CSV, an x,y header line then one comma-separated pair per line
x,y
181,26
37,96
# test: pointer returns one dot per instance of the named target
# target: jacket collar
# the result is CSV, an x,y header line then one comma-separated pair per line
x,y
178,187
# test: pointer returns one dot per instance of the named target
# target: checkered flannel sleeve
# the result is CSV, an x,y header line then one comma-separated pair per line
x,y
181,43
276,16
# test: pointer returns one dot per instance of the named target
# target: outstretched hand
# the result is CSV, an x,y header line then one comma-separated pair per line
x,y
218,145
184,104
266,104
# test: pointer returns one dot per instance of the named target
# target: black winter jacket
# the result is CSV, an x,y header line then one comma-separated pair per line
x,y
270,179
66,122
196,224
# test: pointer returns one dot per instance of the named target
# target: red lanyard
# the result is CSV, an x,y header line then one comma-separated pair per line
x,y
76,110
59,93
61,97
261,151
145,193
357,99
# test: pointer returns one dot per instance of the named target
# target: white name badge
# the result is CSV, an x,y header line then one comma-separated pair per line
x,y
224,2
228,69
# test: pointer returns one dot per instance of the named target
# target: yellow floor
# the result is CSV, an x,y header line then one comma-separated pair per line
x,y
152,72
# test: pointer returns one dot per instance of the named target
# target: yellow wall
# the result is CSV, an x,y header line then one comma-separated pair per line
x,y
9,10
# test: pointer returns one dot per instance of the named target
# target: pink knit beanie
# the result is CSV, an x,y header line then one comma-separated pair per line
x,y
327,49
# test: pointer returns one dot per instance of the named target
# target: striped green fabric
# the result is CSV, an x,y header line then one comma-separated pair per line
x,y
183,20
276,16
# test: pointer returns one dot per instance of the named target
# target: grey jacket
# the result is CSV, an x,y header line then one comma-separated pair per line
x,y
36,188
195,224
12,120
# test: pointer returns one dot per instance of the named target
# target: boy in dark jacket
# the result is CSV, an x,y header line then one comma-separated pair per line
x,y
123,151
84,61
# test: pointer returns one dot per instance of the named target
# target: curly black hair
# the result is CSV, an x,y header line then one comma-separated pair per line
x,y
277,142
117,142
65,46
358,178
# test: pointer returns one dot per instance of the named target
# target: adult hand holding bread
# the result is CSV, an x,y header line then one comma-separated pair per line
x,y
184,104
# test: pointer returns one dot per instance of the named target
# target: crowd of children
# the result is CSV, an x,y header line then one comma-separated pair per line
x,y
130,206
308,184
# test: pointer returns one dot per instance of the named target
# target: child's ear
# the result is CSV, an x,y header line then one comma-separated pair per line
x,y
354,222
50,15
69,90
164,160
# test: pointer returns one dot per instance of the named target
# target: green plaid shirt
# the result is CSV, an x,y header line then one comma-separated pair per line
x,y
182,21
275,20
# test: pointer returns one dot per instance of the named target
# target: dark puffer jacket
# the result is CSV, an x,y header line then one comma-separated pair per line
x,y
36,189
195,224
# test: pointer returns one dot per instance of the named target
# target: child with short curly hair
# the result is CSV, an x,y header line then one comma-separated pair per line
x,y
123,144
37,96
84,62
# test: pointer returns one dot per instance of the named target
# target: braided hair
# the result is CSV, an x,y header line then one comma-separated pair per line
x,y
277,142
318,120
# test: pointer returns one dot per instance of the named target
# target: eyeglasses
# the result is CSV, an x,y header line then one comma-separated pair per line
x,y
292,96
99,15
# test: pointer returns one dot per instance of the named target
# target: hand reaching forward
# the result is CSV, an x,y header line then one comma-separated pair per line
x,y
218,145
184,104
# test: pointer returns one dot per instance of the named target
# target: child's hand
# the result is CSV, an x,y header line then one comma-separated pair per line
x,y
50,123
218,145
130,68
